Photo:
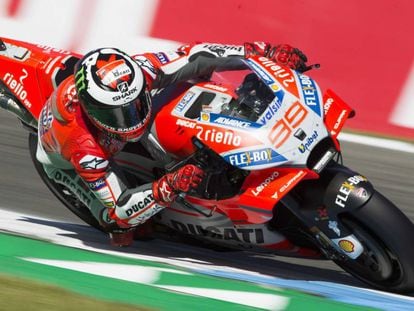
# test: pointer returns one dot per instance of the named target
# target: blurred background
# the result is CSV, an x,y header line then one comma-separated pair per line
x,y
365,48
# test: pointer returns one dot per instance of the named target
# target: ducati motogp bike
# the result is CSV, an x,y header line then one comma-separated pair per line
x,y
267,138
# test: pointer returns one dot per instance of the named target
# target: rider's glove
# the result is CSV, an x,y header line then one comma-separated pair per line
x,y
287,55
184,179
282,54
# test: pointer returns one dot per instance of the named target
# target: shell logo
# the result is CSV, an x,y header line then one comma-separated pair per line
x,y
205,117
346,245
275,87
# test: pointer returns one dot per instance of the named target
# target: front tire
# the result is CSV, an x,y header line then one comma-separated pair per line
x,y
387,262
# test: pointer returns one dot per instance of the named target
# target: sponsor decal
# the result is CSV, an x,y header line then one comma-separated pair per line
x,y
229,121
165,191
350,246
72,96
184,101
89,162
216,87
125,94
221,50
282,130
102,192
109,204
310,93
205,117
161,57
186,123
333,225
361,193
327,105
275,87
140,205
122,87
16,85
322,214
77,189
292,181
97,184
114,71
254,157
284,75
144,63
273,108
311,139
219,136
347,246
247,235
346,188
265,183
261,73
141,218
172,55
46,118
340,118
49,49
80,79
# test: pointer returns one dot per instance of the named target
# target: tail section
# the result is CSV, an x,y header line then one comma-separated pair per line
x,y
28,75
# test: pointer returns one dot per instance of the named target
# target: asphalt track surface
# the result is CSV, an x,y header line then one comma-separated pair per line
x,y
21,190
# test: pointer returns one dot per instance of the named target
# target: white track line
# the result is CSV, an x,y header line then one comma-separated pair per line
x,y
377,142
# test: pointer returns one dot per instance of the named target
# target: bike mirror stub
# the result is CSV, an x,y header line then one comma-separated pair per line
x,y
2,45
300,134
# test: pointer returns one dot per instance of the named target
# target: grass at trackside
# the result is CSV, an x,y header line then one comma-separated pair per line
x,y
18,294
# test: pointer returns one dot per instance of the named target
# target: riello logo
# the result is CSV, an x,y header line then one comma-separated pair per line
x,y
17,87
218,136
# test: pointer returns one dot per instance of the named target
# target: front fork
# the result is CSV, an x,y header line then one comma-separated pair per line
x,y
320,203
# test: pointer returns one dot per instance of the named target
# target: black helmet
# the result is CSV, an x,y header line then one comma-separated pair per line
x,y
113,93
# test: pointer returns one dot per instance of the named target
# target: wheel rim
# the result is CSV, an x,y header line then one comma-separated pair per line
x,y
375,258
376,265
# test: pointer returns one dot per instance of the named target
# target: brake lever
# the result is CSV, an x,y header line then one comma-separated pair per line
x,y
310,67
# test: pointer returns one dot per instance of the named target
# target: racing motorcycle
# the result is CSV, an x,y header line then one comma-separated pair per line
x,y
267,138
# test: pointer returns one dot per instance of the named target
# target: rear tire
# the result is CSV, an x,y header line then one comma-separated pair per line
x,y
387,262
69,200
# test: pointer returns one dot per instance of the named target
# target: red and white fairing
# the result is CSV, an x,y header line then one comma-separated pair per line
x,y
274,146
283,134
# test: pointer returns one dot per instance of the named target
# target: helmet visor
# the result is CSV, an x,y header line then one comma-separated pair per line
x,y
125,118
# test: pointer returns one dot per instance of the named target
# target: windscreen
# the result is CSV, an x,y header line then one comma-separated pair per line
x,y
252,96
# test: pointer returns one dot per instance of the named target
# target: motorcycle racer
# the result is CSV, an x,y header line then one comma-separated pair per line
x,y
93,114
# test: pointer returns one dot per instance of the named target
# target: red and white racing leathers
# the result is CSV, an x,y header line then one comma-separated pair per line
x,y
68,143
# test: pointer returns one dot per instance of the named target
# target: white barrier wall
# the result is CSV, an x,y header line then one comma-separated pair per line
x,y
81,25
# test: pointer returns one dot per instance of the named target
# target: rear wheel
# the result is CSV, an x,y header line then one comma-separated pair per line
x,y
69,200
386,233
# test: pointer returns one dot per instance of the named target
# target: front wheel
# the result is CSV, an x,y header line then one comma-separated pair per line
x,y
387,262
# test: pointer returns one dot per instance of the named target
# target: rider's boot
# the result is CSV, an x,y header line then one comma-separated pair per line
x,y
122,237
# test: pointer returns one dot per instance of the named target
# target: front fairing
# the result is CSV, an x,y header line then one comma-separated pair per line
x,y
281,132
